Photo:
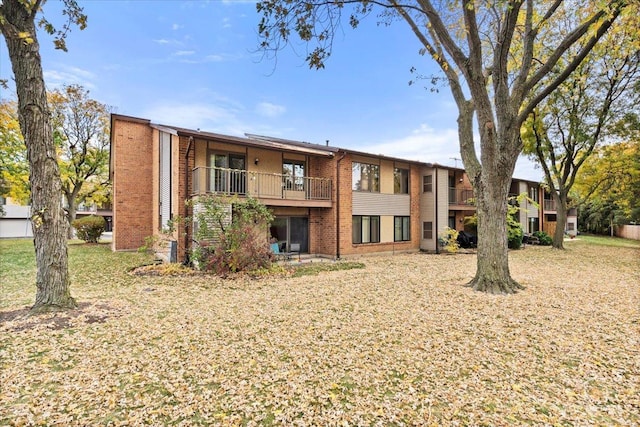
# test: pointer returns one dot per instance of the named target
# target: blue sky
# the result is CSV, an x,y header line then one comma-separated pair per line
x,y
196,64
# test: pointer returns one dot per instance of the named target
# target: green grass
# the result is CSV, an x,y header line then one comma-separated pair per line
x,y
315,268
92,267
609,241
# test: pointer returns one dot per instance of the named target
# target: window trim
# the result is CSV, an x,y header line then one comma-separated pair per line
x,y
427,229
293,181
373,232
429,183
397,172
405,234
371,178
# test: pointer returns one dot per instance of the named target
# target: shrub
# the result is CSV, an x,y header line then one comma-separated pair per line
x,y
449,240
232,235
89,228
514,232
543,238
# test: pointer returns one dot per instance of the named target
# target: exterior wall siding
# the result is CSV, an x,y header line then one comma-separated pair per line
x,y
365,203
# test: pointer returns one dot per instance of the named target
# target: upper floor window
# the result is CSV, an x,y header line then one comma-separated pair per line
x,y
427,183
365,177
294,173
401,181
533,194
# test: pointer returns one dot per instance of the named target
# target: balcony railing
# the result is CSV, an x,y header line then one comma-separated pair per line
x,y
549,205
259,184
460,196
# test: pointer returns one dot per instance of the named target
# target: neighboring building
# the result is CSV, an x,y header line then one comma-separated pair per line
x,y
104,210
549,217
331,201
16,221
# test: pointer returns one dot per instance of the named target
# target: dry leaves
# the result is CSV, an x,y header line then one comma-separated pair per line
x,y
400,342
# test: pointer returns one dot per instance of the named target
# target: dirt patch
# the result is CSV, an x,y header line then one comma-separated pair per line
x,y
86,313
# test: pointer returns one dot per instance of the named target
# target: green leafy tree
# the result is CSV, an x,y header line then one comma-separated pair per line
x,y
81,133
608,187
14,167
563,131
18,27
499,58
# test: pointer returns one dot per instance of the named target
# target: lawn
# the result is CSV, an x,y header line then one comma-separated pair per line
x,y
399,342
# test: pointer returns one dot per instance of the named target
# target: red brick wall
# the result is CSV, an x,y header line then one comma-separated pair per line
x,y
346,206
322,227
132,154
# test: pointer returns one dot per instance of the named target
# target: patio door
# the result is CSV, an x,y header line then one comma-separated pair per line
x,y
291,229
227,173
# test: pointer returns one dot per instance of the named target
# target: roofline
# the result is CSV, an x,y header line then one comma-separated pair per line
x,y
281,144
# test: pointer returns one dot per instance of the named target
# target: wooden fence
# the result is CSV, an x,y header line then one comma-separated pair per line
x,y
628,231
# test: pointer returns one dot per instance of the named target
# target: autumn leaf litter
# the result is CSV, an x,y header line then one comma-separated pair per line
x,y
400,342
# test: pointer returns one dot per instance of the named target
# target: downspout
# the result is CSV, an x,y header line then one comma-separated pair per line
x,y
436,206
338,204
186,192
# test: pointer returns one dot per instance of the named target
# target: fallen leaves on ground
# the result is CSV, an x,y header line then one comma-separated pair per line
x,y
400,342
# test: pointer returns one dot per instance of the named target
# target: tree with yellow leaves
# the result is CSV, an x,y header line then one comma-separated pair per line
x,y
564,130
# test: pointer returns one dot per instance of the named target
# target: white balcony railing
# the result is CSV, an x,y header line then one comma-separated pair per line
x,y
259,184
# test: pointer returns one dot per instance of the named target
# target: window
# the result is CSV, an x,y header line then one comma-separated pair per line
x,y
401,229
427,230
534,225
427,183
293,172
533,194
401,181
365,177
366,229
570,226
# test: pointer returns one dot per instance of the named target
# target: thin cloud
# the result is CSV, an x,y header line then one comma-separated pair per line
x,y
429,145
65,75
207,117
184,52
423,144
175,27
270,110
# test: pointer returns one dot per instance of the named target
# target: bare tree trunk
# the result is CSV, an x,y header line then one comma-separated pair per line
x,y
71,212
48,217
561,220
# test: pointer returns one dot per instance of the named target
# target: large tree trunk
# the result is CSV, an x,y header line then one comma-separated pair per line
x,y
561,220
491,181
492,274
48,218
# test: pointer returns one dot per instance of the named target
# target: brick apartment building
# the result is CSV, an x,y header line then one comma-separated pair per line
x,y
330,201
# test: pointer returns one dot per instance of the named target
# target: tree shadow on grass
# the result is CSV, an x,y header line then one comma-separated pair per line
x,y
86,313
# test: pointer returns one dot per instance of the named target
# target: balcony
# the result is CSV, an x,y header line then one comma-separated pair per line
x,y
273,189
549,205
461,196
